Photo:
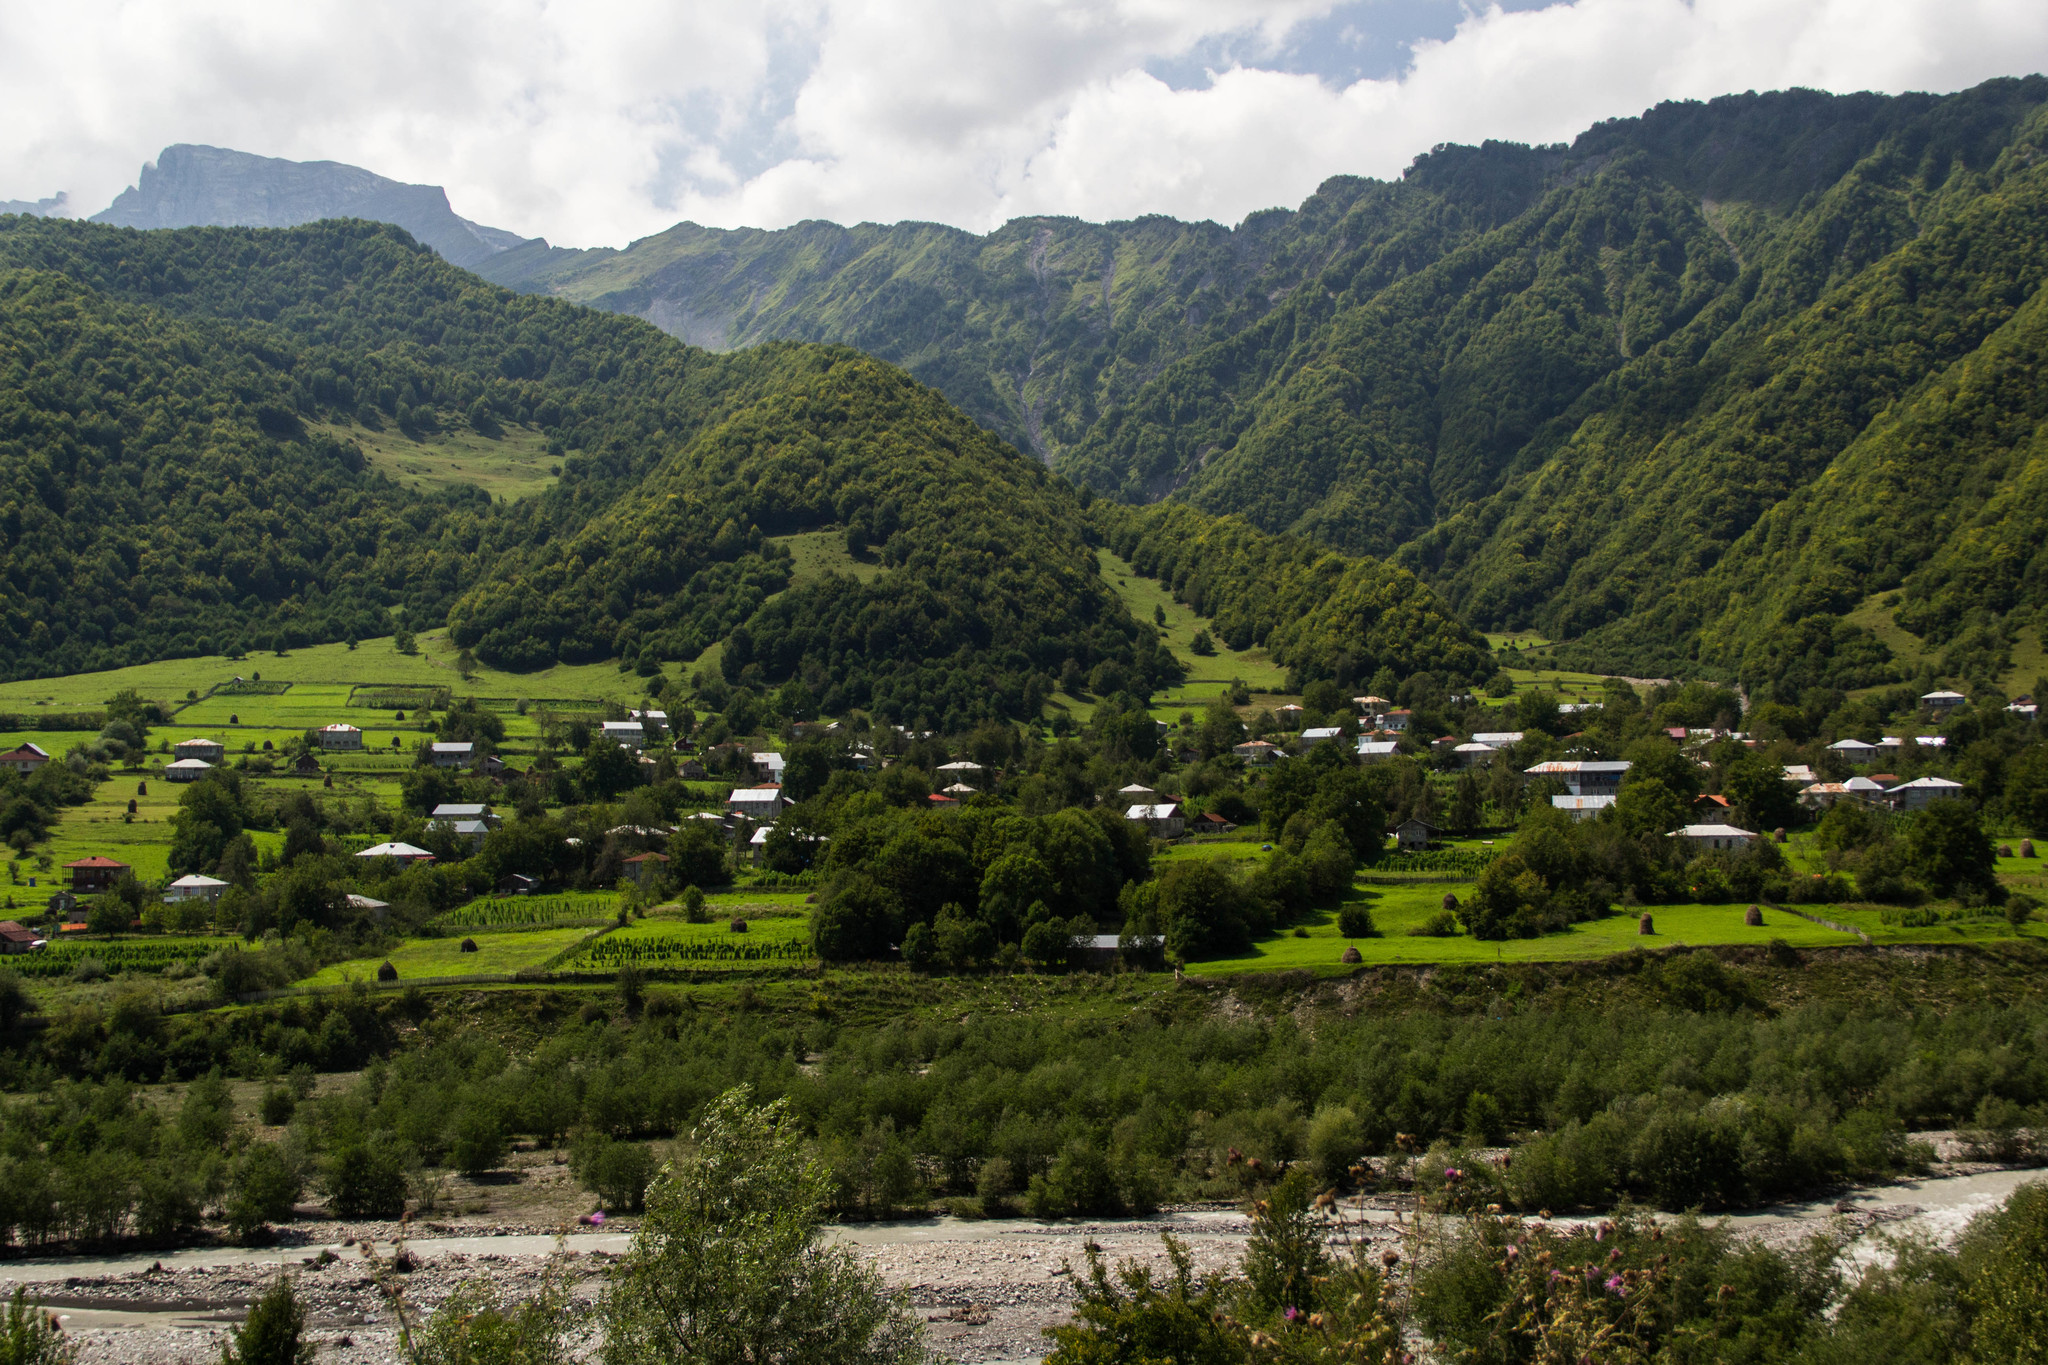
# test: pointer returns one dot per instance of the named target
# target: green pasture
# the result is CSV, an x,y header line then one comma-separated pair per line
x,y
373,661
1206,677
508,467
813,554
100,827
422,959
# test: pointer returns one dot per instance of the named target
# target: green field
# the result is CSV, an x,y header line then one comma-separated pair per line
x,y
512,466
1206,677
422,959
813,554
665,943
373,661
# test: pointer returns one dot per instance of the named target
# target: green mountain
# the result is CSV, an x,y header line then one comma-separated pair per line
x,y
1697,392
183,423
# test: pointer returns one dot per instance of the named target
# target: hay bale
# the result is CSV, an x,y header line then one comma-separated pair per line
x,y
387,972
2026,848
468,946
1644,926
1753,917
2005,850
738,925
1779,834
1450,901
1352,955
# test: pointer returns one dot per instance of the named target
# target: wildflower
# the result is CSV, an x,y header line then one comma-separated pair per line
x,y
1291,1314
1615,1286
1514,1252
597,1218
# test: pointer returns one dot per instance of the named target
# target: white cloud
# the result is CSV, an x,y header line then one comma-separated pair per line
x,y
594,121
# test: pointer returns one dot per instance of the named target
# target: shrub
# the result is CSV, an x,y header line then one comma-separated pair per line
x,y
1443,924
1355,921
262,1189
365,1182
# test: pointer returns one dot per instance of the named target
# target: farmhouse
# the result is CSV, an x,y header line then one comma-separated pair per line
x,y
1475,754
1396,721
652,723
205,750
1373,750
627,734
449,812
1922,792
1161,821
1291,715
1821,795
96,873
405,854
187,770
1942,701
961,768
194,888
1584,776
1499,739
1855,750
451,755
1257,751
1581,807
16,939
1714,836
1136,792
769,765
756,803
1320,734
1414,833
1212,823
340,737
24,758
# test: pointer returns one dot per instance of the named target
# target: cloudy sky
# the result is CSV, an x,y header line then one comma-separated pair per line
x,y
597,121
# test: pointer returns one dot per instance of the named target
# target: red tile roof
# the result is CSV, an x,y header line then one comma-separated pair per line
x,y
96,860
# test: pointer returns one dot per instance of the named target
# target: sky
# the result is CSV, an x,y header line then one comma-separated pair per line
x,y
594,122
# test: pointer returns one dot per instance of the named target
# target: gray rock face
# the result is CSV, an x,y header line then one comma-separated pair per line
x,y
190,186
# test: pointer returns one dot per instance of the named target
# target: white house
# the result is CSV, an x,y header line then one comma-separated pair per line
x,y
1397,721
1162,821
1854,749
187,770
404,853
1821,795
205,750
1320,734
651,722
959,791
769,765
1498,739
1924,791
1942,701
1475,754
1714,836
1931,741
194,888
449,812
627,734
756,803
1256,751
339,736
1584,776
963,767
1374,750
1801,773
2024,708
1582,807
453,755
1137,792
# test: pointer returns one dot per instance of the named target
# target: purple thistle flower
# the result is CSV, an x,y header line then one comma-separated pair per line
x,y
1615,1286
1291,1314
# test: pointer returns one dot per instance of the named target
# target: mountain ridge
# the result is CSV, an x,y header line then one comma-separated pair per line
x,y
189,185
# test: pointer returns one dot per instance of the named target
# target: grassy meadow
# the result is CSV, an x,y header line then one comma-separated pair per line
x,y
511,466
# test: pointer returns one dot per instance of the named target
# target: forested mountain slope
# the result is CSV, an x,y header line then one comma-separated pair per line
x,y
167,493
1670,393
177,477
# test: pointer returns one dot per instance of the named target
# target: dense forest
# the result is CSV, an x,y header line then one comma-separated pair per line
x,y
1736,389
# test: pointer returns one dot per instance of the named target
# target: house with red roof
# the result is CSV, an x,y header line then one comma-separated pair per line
x,y
94,874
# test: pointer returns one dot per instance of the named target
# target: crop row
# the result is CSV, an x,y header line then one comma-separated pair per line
x,y
1470,860
116,956
613,953
500,912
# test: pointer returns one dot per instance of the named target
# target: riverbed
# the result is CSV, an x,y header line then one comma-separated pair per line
x,y
986,1288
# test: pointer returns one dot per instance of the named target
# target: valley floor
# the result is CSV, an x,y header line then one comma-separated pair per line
x,y
986,1289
